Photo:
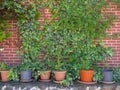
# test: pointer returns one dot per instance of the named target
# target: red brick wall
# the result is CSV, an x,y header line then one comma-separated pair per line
x,y
12,44
115,43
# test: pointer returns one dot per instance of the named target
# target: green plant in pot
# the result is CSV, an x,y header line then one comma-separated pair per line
x,y
59,70
4,70
43,70
58,49
101,55
86,72
69,76
83,61
107,73
90,55
26,68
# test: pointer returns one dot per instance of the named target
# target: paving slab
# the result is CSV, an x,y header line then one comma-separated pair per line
x,y
52,86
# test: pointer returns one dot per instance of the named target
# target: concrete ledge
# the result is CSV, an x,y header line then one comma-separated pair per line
x,y
52,86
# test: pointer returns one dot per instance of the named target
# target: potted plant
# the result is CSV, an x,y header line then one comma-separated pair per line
x,y
107,73
59,70
58,49
26,68
43,70
89,55
86,72
4,70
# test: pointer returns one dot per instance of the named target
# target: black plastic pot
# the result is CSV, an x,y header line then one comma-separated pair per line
x,y
26,75
107,75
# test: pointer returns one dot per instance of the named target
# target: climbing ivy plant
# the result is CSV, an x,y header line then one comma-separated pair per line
x,y
3,33
71,16
4,26
82,25
26,14
116,2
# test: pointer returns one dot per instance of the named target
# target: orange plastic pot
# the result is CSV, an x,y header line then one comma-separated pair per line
x,y
4,77
59,75
45,75
86,75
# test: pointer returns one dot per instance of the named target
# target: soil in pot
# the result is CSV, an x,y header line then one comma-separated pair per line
x,y
86,75
59,75
4,77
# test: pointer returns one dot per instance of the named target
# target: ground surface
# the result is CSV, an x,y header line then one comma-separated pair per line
x,y
52,86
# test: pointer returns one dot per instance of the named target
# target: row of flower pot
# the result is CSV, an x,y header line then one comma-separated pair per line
x,y
26,76
85,75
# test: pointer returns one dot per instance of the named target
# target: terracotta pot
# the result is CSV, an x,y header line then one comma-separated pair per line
x,y
59,75
45,75
86,75
4,77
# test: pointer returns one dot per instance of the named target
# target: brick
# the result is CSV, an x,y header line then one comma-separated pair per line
x,y
46,10
17,61
44,0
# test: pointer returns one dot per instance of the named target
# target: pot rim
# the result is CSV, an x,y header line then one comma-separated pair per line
x,y
60,71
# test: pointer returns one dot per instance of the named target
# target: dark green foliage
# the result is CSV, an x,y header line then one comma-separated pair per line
x,y
116,73
98,76
14,73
